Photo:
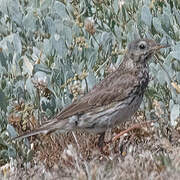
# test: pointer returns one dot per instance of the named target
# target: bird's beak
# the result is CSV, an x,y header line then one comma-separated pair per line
x,y
159,46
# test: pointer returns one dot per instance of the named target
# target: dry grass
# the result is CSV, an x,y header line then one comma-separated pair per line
x,y
147,153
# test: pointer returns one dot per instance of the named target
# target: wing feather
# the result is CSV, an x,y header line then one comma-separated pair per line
x,y
99,96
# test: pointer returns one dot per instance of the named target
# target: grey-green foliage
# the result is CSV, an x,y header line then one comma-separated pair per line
x,y
38,44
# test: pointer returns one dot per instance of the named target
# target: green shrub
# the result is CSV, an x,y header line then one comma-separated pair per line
x,y
52,51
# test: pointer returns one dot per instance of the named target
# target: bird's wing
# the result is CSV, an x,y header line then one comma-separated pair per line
x,y
118,92
102,95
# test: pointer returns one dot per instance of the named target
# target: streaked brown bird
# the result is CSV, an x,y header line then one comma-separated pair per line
x,y
113,100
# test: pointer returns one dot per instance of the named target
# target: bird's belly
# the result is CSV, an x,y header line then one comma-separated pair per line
x,y
106,117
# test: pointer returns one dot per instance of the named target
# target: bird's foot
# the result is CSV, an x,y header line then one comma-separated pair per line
x,y
101,140
103,144
136,126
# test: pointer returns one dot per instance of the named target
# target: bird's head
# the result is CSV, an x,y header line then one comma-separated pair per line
x,y
140,51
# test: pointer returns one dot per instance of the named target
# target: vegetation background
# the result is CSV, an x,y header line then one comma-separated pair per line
x,y
51,52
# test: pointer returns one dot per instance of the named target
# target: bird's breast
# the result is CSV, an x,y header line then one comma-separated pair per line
x,y
143,79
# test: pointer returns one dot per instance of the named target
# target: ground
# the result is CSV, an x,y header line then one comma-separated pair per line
x,y
149,152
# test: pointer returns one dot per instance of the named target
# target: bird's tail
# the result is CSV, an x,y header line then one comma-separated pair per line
x,y
49,127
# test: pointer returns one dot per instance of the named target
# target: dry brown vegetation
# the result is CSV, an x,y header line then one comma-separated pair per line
x,y
148,152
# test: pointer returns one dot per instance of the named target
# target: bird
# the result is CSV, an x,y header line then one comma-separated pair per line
x,y
110,102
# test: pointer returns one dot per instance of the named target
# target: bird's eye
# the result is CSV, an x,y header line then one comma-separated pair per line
x,y
142,46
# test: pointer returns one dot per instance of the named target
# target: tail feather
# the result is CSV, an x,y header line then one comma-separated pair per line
x,y
51,126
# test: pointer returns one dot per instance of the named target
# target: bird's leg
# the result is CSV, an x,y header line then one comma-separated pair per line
x,y
101,140
136,126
